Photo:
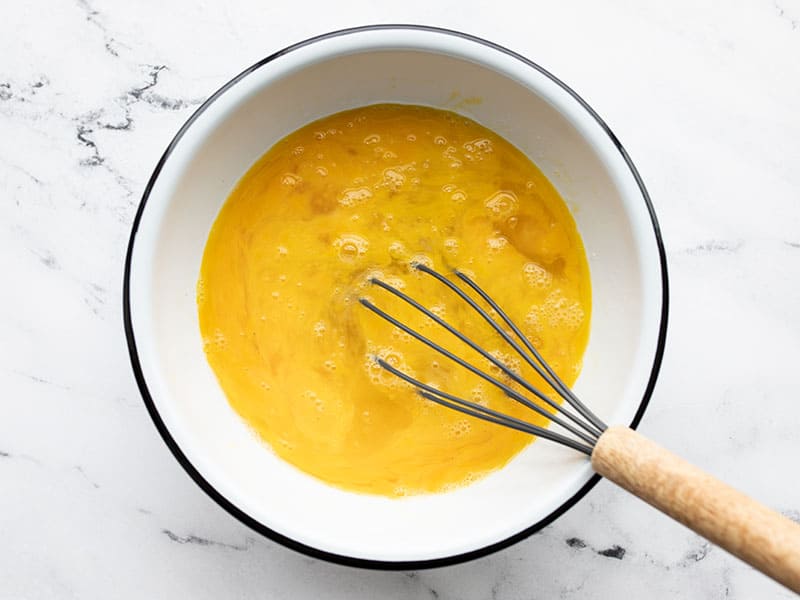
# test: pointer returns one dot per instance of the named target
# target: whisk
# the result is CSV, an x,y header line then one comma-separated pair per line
x,y
758,535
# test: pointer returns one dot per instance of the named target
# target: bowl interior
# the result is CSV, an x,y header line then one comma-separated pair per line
x,y
234,129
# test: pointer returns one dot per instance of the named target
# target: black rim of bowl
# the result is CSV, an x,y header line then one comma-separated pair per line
x,y
250,521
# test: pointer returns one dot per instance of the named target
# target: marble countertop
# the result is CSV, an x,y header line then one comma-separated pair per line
x,y
93,505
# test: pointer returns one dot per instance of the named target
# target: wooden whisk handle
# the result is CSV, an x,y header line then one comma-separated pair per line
x,y
758,535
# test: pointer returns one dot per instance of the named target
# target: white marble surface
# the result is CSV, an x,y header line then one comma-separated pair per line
x,y
704,95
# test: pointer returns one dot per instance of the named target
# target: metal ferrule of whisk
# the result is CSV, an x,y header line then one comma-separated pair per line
x,y
580,427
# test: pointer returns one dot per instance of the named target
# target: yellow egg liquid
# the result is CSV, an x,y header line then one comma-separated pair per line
x,y
362,194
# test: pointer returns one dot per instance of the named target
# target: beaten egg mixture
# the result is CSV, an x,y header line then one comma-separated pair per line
x,y
366,193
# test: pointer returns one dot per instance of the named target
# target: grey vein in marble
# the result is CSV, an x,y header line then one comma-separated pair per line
x,y
89,122
93,17
698,554
414,577
80,470
39,379
200,541
47,258
615,551
793,21
715,247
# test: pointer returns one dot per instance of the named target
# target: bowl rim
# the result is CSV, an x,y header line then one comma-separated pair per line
x,y
239,514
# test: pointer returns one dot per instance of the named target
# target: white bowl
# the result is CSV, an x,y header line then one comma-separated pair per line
x,y
324,75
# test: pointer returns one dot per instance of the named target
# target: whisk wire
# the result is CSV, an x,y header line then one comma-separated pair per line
x,y
559,386
481,412
494,381
544,371
487,355
488,318
587,431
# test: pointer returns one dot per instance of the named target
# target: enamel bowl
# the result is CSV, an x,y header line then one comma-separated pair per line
x,y
341,70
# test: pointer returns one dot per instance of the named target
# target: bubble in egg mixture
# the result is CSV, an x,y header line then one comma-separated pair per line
x,y
460,428
420,259
451,245
393,178
353,196
291,179
320,327
312,397
439,309
402,336
479,396
534,318
537,276
501,205
380,376
395,282
479,146
510,361
350,247
496,243
219,341
397,250
562,312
